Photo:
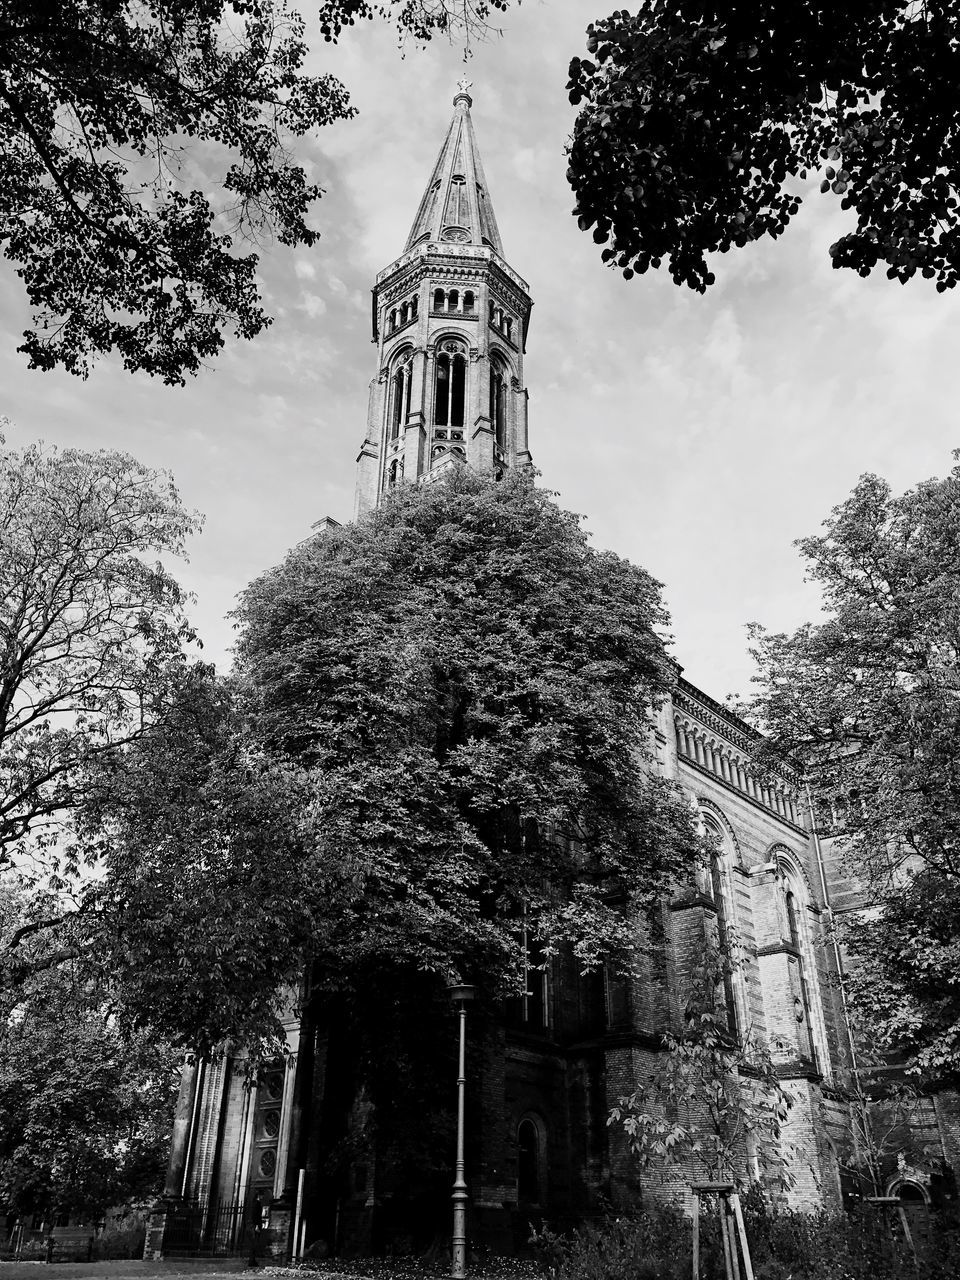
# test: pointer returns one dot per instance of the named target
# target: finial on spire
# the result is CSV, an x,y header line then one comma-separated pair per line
x,y
463,84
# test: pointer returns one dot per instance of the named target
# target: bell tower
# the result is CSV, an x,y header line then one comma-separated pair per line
x,y
450,323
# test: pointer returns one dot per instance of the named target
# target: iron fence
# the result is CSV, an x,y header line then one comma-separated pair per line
x,y
194,1228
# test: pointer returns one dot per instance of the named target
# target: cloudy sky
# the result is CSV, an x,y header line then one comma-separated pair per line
x,y
699,436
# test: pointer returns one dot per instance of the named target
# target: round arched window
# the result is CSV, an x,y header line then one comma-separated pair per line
x,y
528,1163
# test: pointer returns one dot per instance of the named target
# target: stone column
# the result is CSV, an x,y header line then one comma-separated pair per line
x,y
182,1128
368,459
480,444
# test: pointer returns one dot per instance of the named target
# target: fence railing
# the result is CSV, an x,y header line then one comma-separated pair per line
x,y
210,1230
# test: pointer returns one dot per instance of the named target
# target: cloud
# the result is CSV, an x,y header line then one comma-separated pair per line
x,y
313,305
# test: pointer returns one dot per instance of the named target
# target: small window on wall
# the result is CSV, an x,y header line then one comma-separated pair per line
x,y
438,297
468,302
529,1173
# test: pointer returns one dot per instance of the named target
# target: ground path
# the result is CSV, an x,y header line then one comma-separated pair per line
x,y
120,1269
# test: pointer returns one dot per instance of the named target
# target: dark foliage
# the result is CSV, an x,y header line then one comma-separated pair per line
x,y
869,700
699,120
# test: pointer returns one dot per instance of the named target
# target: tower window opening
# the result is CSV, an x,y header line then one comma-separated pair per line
x,y
438,299
498,406
468,302
453,300
450,394
492,313
391,321
399,398
457,391
509,324
414,307
404,312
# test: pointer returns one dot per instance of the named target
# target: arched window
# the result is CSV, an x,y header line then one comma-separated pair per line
x,y
393,474
529,1172
438,299
404,312
509,324
492,313
797,933
498,404
414,306
453,300
715,883
392,322
399,406
450,386
468,302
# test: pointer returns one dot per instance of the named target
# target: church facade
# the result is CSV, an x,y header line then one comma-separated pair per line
x,y
450,318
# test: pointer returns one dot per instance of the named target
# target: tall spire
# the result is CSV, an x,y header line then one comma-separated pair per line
x,y
450,322
456,205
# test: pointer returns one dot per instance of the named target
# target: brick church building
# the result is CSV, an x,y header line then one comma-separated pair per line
x,y
450,319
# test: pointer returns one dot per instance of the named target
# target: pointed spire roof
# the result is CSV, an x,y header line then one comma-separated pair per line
x,y
456,205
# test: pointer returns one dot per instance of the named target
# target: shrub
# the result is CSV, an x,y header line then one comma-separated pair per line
x,y
120,1242
655,1244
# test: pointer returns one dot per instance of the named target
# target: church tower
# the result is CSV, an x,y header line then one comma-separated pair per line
x,y
450,323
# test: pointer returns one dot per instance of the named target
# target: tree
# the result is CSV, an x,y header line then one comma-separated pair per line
x,y
109,109
90,634
466,687
85,1110
204,904
869,701
713,1103
699,122
462,691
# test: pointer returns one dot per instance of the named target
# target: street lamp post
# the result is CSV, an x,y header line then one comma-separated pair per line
x,y
461,996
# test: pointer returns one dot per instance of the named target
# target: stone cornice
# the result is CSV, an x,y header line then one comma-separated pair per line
x,y
744,795
715,716
454,253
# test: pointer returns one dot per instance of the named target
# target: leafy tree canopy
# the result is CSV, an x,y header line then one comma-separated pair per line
x,y
85,1110
112,115
440,718
203,906
92,636
88,625
698,119
465,687
869,699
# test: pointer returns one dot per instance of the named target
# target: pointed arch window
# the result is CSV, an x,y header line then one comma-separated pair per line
x,y
498,403
450,386
457,202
